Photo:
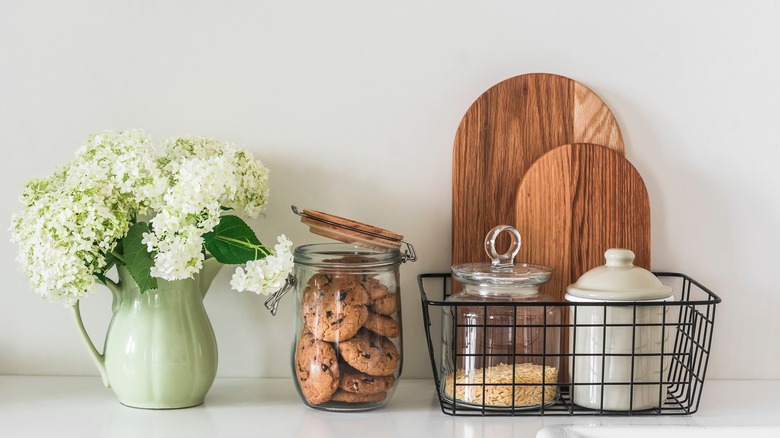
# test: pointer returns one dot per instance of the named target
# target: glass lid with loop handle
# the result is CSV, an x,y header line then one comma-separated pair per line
x,y
502,274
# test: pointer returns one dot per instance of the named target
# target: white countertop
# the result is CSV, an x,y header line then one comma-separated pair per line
x,y
62,407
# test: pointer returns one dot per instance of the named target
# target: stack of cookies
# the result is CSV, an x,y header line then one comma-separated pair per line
x,y
345,352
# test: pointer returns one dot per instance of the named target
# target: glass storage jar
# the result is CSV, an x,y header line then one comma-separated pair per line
x,y
501,346
347,351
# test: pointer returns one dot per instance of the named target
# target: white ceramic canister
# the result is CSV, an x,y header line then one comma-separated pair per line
x,y
620,351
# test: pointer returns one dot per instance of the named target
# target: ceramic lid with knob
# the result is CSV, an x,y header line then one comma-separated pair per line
x,y
619,280
502,271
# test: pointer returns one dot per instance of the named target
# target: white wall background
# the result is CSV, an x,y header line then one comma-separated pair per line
x,y
353,105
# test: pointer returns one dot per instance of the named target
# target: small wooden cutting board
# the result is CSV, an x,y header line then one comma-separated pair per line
x,y
573,204
504,131
576,202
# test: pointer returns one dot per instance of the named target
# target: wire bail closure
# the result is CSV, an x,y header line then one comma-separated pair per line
x,y
409,254
272,303
507,259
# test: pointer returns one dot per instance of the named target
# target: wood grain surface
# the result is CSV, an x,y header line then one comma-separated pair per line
x,y
573,204
504,131
350,231
576,202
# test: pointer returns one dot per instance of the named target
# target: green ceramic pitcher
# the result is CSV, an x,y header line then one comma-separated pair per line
x,y
160,350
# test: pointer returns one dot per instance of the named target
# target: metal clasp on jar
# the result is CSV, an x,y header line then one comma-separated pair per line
x,y
272,303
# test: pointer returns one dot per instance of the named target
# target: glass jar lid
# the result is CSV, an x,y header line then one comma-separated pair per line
x,y
354,232
502,271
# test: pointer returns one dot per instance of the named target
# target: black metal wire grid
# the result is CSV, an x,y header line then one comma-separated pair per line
x,y
683,381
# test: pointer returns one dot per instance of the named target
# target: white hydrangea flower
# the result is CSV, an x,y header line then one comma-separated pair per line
x,y
266,275
72,219
78,214
245,178
204,175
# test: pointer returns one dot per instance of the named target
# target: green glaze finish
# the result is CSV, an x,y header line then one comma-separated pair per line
x,y
160,350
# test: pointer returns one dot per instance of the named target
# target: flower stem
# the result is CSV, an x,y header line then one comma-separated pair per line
x,y
118,256
246,244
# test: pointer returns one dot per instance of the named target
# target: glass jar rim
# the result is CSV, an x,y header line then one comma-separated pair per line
x,y
502,291
337,255
516,275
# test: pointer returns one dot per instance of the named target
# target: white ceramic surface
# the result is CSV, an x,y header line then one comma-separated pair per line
x,y
79,407
576,431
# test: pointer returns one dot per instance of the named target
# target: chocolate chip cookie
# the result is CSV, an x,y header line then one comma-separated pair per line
x,y
383,301
337,311
351,397
370,353
352,380
376,290
383,325
319,281
387,305
317,369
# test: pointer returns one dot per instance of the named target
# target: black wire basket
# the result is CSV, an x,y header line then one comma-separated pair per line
x,y
678,387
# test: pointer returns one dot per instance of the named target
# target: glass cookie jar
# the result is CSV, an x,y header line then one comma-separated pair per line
x,y
501,344
347,351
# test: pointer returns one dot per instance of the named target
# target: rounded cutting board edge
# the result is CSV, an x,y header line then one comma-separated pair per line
x,y
502,134
573,204
576,202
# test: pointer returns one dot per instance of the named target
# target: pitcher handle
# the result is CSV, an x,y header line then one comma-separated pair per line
x,y
97,358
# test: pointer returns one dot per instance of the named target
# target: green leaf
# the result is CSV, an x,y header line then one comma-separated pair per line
x,y
111,259
101,276
233,242
138,260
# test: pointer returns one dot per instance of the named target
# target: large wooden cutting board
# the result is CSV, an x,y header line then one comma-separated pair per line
x,y
504,131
